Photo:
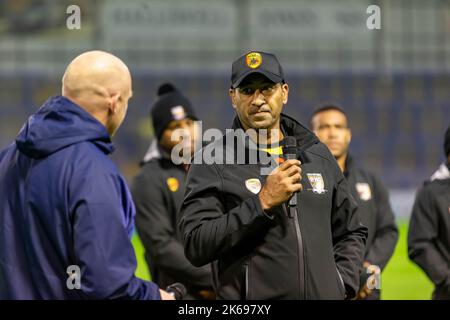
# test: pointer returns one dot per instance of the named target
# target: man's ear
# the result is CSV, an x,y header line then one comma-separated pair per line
x,y
349,135
285,89
232,94
113,102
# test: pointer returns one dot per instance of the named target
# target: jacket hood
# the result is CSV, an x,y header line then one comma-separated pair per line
x,y
290,127
58,124
442,173
155,151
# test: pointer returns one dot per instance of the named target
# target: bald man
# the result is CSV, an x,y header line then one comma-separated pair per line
x,y
66,214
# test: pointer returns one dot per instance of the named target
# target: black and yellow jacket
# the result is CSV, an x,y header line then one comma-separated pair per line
x,y
314,253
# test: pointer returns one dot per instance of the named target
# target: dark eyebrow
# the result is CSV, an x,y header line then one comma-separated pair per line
x,y
258,85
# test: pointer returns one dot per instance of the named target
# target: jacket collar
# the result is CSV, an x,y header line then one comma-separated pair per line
x,y
349,165
290,127
442,173
60,123
155,151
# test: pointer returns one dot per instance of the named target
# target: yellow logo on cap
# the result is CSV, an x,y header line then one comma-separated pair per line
x,y
253,60
173,184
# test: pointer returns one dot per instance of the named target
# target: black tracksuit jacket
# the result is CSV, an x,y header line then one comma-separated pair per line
x,y
157,206
429,234
315,252
376,214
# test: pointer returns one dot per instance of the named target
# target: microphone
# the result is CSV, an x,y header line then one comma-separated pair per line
x,y
290,152
177,290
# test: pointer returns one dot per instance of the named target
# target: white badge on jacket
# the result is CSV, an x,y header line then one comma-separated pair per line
x,y
364,191
253,185
317,183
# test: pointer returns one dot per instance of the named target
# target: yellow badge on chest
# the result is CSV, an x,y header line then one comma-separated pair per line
x,y
173,184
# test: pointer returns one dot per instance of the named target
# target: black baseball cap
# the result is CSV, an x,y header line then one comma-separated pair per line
x,y
264,63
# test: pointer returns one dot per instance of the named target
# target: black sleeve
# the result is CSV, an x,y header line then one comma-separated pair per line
x,y
386,233
422,236
158,234
349,235
209,232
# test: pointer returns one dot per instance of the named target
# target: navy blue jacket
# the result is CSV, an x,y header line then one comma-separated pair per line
x,y
63,202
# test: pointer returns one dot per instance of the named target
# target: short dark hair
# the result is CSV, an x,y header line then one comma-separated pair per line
x,y
326,107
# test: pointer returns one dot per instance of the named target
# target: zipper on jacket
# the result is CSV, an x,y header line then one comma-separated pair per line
x,y
293,214
341,281
246,282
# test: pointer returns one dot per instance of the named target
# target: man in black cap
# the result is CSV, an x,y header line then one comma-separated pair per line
x,y
293,234
429,228
330,124
158,192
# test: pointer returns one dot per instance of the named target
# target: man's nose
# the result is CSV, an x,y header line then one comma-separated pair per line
x,y
258,98
332,133
185,130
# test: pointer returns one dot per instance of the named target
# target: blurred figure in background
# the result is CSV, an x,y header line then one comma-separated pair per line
x,y
63,203
429,228
330,124
158,192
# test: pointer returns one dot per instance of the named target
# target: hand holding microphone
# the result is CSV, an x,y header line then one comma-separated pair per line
x,y
284,181
176,290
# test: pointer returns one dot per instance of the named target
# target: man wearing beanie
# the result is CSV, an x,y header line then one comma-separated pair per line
x,y
158,192
429,228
